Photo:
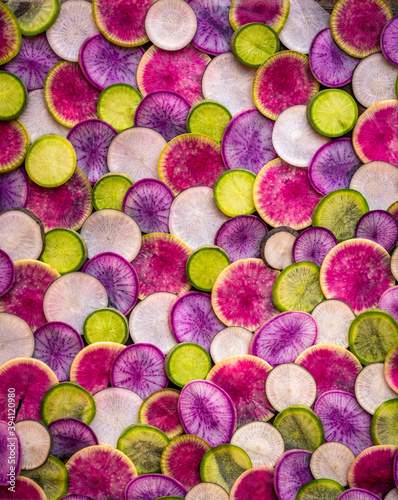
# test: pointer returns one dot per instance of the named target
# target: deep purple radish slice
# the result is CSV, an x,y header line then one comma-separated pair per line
x,y
389,41
207,411
26,488
358,494
257,483
344,420
243,379
7,272
69,436
14,143
57,345
151,486
379,226
273,13
76,497
389,302
292,471
313,244
10,453
160,410
333,367
103,63
14,189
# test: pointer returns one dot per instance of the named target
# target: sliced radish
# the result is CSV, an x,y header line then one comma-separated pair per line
x,y
160,409
332,461
204,491
14,141
9,440
313,244
359,494
249,11
257,482
320,488
392,495
389,299
7,272
333,318
70,436
388,41
153,485
391,368
231,341
379,226
371,387
14,190
10,35
292,471
277,247
35,440
52,477
26,487
16,338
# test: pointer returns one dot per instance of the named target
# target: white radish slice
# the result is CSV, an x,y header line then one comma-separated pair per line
x,y
74,24
289,384
392,495
35,441
116,409
332,461
136,152
16,338
195,217
305,19
229,82
149,321
232,341
72,297
171,24
261,441
377,181
37,119
333,318
371,388
21,234
277,247
394,264
207,491
374,80
111,231
293,138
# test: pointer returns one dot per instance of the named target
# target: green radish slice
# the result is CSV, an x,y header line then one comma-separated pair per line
x,y
143,445
26,487
326,489
16,338
52,477
254,43
204,491
208,118
223,465
14,143
340,211
391,368
393,209
261,441
333,318
257,482
333,112
231,341
205,265
160,410
371,387
10,34
233,192
186,362
248,11
65,250
384,423
110,190
277,247
117,104
36,441
13,96
35,16
105,325
332,461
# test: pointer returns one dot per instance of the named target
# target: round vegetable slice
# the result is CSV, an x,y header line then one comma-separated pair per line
x,y
391,368
333,318
313,244
379,226
383,428
292,471
7,273
9,441
36,16
257,482
359,494
14,190
332,461
371,388
203,491
160,409
254,43
233,192
186,362
394,263
320,488
70,436
231,341
117,104
205,265
248,11
14,96
209,118
26,487
392,495
105,325
388,41
14,143
110,190
35,440
16,337
65,250
10,35
277,247
153,485
52,477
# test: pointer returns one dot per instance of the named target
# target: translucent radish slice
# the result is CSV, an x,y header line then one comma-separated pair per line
x,y
204,491
150,486
371,388
231,341
35,440
261,441
10,35
243,379
277,247
333,367
332,461
273,14
160,410
333,318
26,487
388,41
16,338
178,71
25,297
9,441
257,482
313,244
359,494
14,142
389,302
7,273
344,420
14,190
70,436
290,384
292,471
116,409
379,226
330,65
57,344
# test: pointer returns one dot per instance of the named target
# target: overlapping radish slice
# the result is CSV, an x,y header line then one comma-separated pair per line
x,y
203,491
14,142
14,190
277,247
10,35
313,244
359,494
52,477
69,436
257,482
9,440
231,341
16,338
392,495
274,14
332,461
333,318
35,440
388,41
7,272
371,387
292,471
379,226
26,487
391,369
160,409
153,485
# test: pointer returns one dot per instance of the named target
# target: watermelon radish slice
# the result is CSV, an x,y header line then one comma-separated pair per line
x,y
343,273
393,210
292,471
181,459
391,368
70,436
9,442
35,17
57,344
333,367
16,338
14,190
313,244
10,35
109,472
277,247
177,71
388,41
52,477
150,486
35,440
257,482
7,272
383,423
231,341
330,65
333,318
394,263
326,488
92,366
204,491
243,379
25,297
371,387
360,494
214,31
273,14
25,487
160,409
14,143
332,461
379,226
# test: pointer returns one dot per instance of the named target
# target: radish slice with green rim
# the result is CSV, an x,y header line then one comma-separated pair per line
x,y
7,273
65,250
205,265
36,16
186,362
231,341
105,325
391,368
35,440
257,482
383,423
333,318
379,226
14,96
254,43
16,338
292,471
326,488
14,143
204,491
208,118
360,494
14,190
117,104
10,35
394,263
70,436
150,486
313,244
110,190
388,41
26,487
233,192
332,461
9,440
248,11
371,388
160,409
52,477
277,247
392,495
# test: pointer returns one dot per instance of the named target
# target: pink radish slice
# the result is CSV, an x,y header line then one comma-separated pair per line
x,y
7,272
14,189
313,244
389,302
160,410
150,486
14,144
26,488
207,411
257,483
274,13
292,471
391,369
11,453
389,41
69,436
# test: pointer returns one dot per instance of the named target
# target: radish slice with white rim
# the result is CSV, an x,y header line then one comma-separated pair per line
x,y
332,461
35,441
16,338
231,341
277,247
371,388
334,318
205,491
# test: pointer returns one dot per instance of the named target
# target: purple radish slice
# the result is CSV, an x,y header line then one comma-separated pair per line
x,y
231,341
118,277
177,71
389,302
313,244
75,497
57,344
139,367
333,367
344,420
7,273
25,487
10,453
330,65
207,411
150,486
148,202
332,461
204,491
14,143
16,338
14,190
243,379
389,41
163,111
277,247
392,495
36,440
359,494
292,471
283,338
273,14
100,472
160,410
92,366
257,482
371,388
333,166
69,436
192,319
91,140
25,297
333,318
379,226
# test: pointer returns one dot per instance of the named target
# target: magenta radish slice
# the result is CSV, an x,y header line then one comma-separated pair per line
x,y
192,319
103,63
391,369
292,471
160,410
118,277
25,487
163,111
70,436
313,244
283,338
11,453
257,483
152,486
140,368
273,13
389,41
379,226
14,143
344,420
148,202
91,140
247,141
57,345
389,302
14,190
358,494
7,272
214,31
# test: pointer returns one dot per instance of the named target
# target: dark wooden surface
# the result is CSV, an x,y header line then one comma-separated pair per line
x,y
329,4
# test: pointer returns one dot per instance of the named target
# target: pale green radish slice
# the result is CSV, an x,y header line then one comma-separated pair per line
x,y
35,441
371,388
52,477
13,96
106,325
209,118
186,362
110,190
34,16
332,461
333,318
254,43
117,105
233,192
383,428
65,250
232,341
320,488
205,265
